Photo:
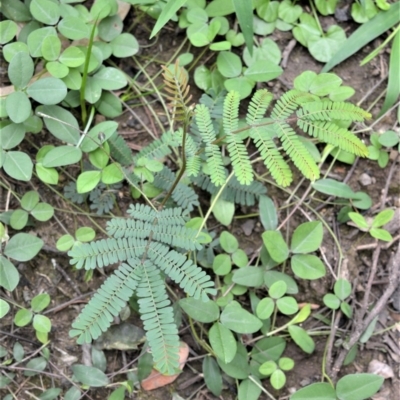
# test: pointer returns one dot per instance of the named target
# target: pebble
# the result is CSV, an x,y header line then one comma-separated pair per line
x,y
365,179
248,227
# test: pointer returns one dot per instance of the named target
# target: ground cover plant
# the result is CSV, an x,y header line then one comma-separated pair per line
x,y
154,237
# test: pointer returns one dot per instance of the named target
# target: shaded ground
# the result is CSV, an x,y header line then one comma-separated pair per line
x,y
49,272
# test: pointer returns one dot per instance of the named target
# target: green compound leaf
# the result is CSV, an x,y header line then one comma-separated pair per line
x,y
62,155
47,175
358,386
23,247
200,311
110,78
9,276
4,306
45,11
40,302
302,338
11,135
276,245
41,323
72,57
307,266
63,125
23,317
18,107
8,29
18,165
89,376
212,375
20,69
237,319
229,64
30,200
87,181
223,342
263,71
51,48
43,212
74,28
316,391
124,45
19,219
307,237
48,91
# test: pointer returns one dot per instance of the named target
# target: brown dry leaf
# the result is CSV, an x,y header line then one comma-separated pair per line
x,y
156,379
379,368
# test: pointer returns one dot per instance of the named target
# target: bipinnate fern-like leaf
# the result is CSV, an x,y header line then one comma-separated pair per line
x,y
258,106
213,154
182,271
142,244
158,320
329,132
183,195
234,191
176,85
296,151
237,150
330,110
106,304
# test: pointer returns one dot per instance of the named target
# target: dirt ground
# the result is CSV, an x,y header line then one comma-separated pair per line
x,y
50,271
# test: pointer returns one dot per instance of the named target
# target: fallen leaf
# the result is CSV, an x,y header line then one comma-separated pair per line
x,y
156,379
379,368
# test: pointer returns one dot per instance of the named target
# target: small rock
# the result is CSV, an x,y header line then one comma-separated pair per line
x,y
248,227
365,179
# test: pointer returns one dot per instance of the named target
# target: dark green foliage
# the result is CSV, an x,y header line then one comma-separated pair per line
x,y
142,244
120,150
183,195
245,195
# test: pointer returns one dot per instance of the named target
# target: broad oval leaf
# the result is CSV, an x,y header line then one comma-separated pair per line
x,y
200,311
276,245
248,390
18,107
249,276
9,275
358,386
239,320
238,368
43,212
23,247
74,28
62,155
45,11
35,366
41,323
302,338
90,376
124,45
98,135
307,237
229,64
263,71
316,391
212,375
274,276
307,266
4,308
18,165
87,181
110,78
20,69
63,125
48,91
223,342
